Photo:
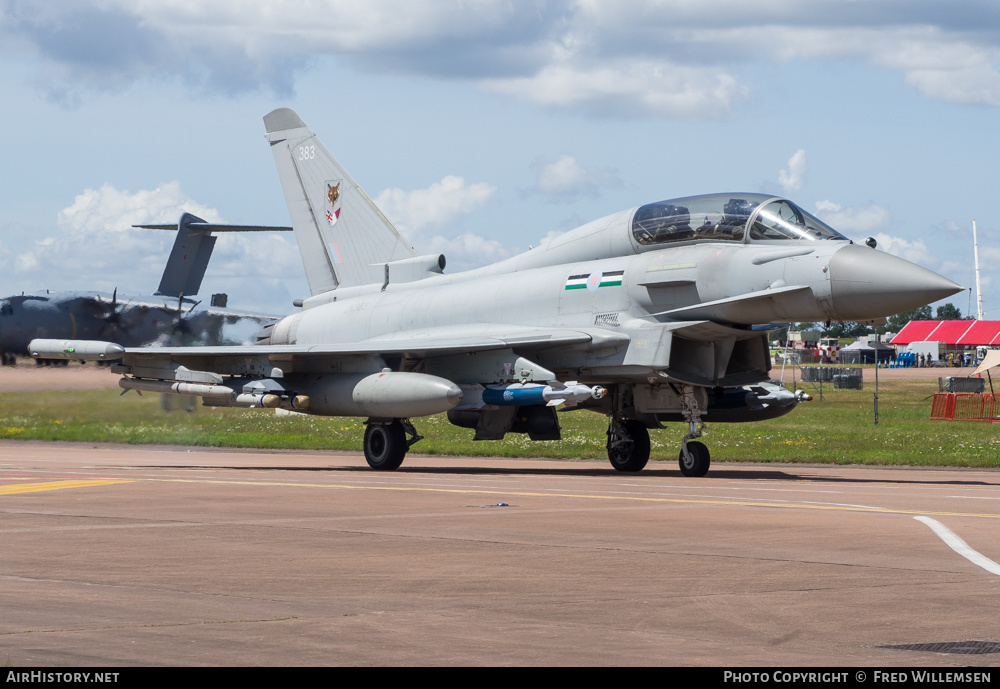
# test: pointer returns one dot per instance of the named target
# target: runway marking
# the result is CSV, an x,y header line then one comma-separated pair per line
x,y
779,504
56,485
589,496
953,541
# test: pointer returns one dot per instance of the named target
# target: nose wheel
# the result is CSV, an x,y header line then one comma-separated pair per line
x,y
694,459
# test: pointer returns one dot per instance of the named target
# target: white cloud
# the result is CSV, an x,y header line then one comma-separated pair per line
x,y
97,212
335,24
412,211
627,88
915,251
97,249
793,177
468,251
974,86
563,176
565,179
853,220
661,58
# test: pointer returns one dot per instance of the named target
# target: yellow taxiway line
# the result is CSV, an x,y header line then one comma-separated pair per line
x,y
56,485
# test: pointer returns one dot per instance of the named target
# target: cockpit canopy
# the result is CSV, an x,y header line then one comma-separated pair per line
x,y
727,217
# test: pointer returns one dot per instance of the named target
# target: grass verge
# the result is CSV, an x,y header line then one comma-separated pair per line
x,y
838,429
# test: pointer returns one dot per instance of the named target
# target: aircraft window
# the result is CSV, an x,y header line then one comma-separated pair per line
x,y
782,219
714,217
655,223
724,217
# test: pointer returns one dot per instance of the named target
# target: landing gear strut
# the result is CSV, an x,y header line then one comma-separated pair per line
x,y
694,458
386,442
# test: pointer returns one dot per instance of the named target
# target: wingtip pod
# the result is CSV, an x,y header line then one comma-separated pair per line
x,y
81,350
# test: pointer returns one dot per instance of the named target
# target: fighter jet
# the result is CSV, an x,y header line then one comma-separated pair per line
x,y
169,314
645,316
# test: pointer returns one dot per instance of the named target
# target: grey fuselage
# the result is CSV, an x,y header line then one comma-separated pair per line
x,y
641,300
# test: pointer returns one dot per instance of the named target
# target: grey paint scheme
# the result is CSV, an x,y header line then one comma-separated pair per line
x,y
337,254
672,340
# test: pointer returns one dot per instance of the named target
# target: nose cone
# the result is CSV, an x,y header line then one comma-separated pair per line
x,y
868,284
454,395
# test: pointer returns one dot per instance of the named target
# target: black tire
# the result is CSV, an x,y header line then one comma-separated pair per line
x,y
633,455
385,445
697,464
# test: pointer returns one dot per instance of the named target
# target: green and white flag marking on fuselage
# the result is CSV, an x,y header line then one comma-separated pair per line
x,y
612,278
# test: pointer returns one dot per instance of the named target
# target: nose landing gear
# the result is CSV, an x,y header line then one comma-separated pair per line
x,y
694,458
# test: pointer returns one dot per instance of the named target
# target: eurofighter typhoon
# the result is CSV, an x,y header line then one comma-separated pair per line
x,y
645,316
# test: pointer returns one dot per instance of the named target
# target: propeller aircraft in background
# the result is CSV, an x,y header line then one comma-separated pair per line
x,y
169,316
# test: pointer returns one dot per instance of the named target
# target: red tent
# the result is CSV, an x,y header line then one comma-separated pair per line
x,y
952,333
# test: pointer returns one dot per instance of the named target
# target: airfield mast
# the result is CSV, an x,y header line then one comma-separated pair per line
x,y
979,291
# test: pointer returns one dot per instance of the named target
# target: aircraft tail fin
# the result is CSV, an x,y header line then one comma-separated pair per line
x,y
192,251
188,259
343,238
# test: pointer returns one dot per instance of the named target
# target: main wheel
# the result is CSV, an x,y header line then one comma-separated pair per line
x,y
697,461
633,453
385,445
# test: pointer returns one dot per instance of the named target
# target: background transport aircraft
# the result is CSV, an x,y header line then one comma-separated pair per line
x,y
169,316
645,316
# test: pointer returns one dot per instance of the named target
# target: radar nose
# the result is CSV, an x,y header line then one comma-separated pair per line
x,y
867,284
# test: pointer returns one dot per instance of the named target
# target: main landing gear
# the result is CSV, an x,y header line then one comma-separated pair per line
x,y
628,439
628,444
386,442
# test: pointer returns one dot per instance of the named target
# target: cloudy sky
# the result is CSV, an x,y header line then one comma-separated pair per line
x,y
481,127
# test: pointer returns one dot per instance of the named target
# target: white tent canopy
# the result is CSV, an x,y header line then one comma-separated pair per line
x,y
992,360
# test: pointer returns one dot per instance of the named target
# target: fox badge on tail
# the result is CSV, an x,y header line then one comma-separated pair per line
x,y
343,238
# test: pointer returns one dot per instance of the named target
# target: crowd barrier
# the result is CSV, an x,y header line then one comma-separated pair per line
x,y
965,406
